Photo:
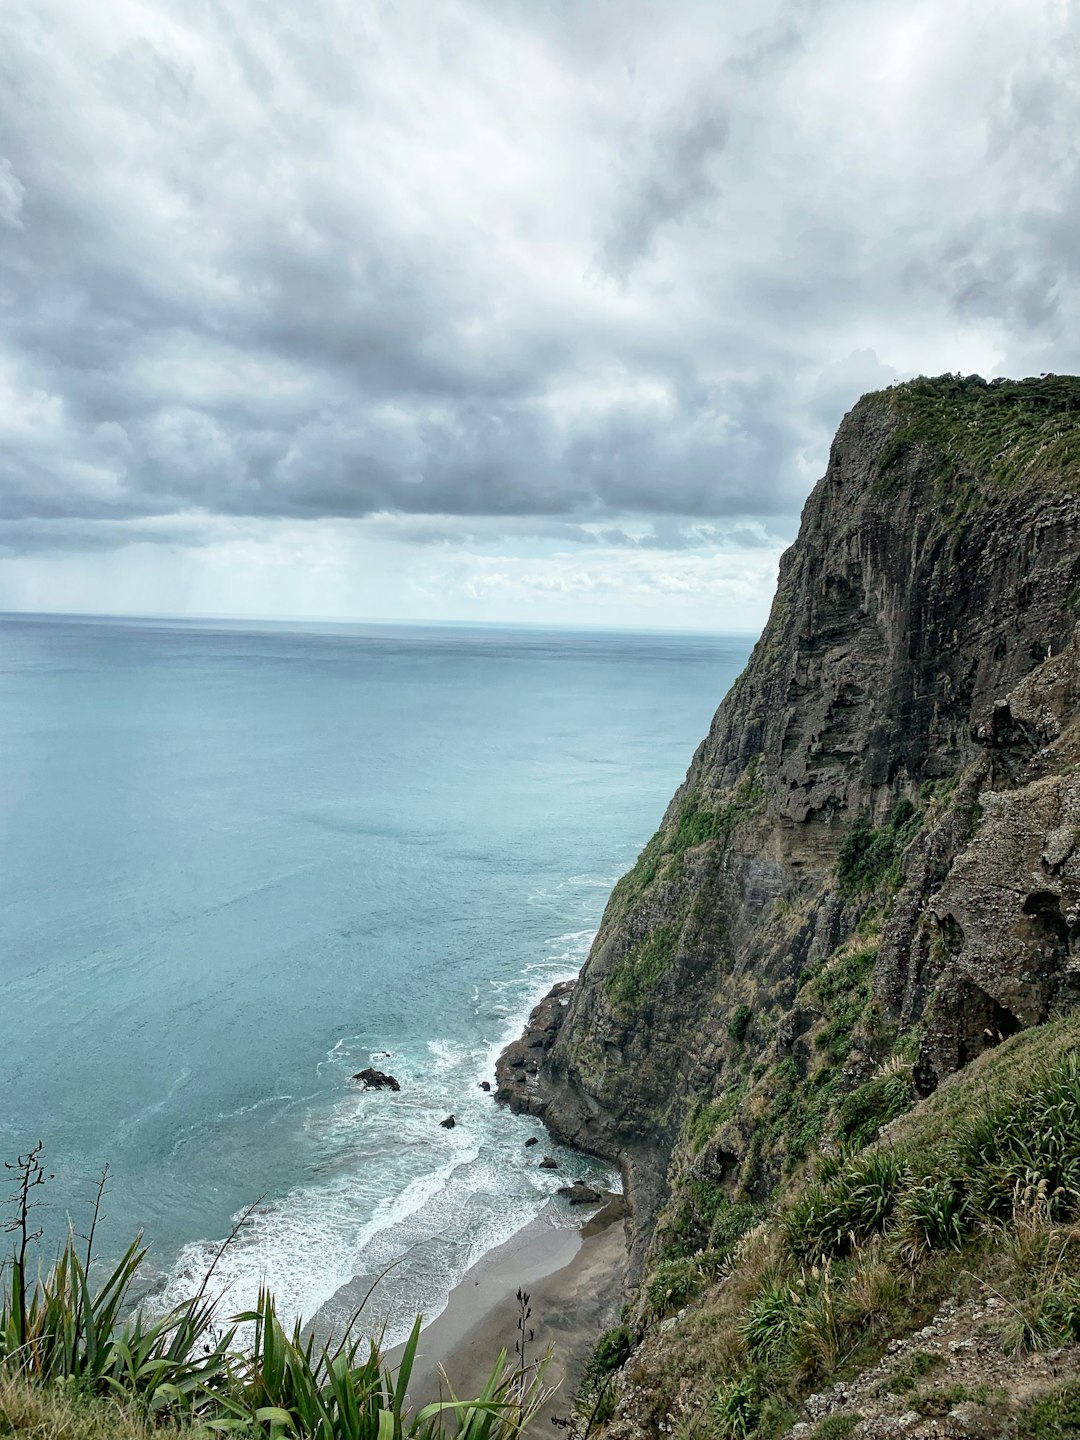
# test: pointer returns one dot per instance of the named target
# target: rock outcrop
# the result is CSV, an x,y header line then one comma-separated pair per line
x,y
890,789
372,1079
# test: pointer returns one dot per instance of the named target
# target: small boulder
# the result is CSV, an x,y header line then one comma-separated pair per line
x,y
485,1085
448,1123
580,1194
376,1080
532,1140
549,1163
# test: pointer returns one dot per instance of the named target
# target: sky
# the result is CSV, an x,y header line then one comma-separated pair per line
x,y
497,310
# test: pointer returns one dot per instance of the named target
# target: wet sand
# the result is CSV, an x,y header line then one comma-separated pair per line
x,y
574,1281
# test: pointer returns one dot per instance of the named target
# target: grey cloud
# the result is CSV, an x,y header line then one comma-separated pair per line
x,y
674,179
604,270
57,536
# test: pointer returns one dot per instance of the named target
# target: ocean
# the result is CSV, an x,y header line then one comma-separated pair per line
x,y
240,861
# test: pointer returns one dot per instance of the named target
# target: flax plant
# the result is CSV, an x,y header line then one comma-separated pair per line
x,y
64,1332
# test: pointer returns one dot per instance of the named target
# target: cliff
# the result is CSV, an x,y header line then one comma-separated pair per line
x,y
871,867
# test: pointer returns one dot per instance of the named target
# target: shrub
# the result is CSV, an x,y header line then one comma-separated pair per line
x,y
676,1280
864,1111
609,1353
869,856
736,1407
1027,1143
740,1023
933,1216
1052,1417
856,1203
771,1318
1050,1319
595,1393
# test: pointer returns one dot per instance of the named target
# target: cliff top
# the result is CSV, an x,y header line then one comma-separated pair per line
x,y
1007,433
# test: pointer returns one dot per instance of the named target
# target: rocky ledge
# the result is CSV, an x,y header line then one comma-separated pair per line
x,y
518,1067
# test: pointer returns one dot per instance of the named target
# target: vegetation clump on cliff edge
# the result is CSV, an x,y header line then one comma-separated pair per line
x,y
1006,432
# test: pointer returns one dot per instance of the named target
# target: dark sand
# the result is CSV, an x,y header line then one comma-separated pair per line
x,y
574,1280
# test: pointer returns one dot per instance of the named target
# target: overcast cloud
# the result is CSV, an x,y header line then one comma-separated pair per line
x,y
497,308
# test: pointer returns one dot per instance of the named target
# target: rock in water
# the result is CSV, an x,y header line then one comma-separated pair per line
x,y
376,1080
448,1123
532,1140
580,1194
485,1085
549,1163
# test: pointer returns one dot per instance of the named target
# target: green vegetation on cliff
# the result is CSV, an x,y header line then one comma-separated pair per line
x,y
982,1180
643,965
696,822
870,856
1003,432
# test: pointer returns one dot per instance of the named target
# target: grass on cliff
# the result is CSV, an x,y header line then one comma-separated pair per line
x,y
982,1179
79,1360
637,975
1004,432
870,856
695,823
787,1109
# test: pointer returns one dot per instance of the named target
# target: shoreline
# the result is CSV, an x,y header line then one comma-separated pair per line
x,y
574,1278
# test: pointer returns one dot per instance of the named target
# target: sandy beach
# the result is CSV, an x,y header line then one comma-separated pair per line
x,y
574,1280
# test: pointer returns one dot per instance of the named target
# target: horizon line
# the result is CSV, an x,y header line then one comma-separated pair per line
x,y
208,618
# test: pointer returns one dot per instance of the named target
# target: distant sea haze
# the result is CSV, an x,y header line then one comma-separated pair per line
x,y
241,862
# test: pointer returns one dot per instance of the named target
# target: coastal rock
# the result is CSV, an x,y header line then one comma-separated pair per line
x,y
579,1193
485,1085
448,1123
372,1079
532,1140
549,1163
519,1064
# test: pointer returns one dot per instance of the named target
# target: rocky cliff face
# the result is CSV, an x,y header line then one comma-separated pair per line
x,y
874,851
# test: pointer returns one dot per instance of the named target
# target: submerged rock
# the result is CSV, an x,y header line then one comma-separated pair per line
x,y
532,1140
372,1079
549,1163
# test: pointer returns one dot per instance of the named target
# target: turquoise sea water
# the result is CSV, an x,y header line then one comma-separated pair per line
x,y
239,862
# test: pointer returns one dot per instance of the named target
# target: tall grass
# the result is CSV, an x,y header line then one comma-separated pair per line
x,y
64,1331
1022,1146
978,1183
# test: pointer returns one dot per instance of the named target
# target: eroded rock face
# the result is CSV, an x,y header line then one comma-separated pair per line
x,y
908,643
994,938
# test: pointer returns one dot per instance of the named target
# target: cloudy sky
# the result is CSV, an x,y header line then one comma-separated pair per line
x,y
536,310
